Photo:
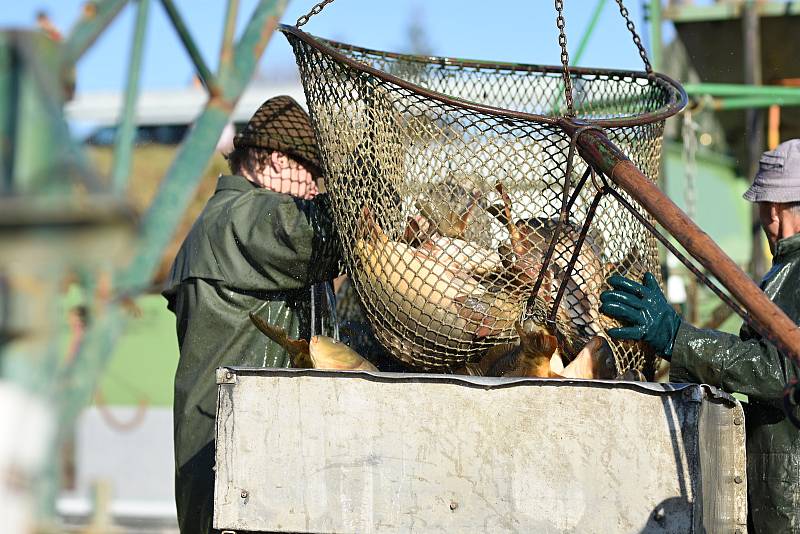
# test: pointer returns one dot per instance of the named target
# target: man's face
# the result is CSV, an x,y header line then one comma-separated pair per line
x,y
770,222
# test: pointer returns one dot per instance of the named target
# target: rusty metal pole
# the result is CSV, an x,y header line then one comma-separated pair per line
x,y
595,147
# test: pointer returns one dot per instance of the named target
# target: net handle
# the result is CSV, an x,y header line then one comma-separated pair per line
x,y
561,24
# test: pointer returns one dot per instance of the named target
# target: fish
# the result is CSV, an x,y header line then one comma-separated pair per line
x,y
463,255
531,357
536,355
327,353
579,310
321,352
448,207
596,360
432,306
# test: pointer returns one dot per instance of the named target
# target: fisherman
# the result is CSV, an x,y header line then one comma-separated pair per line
x,y
746,363
262,240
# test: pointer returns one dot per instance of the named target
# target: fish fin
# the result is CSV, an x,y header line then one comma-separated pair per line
x,y
538,343
513,229
496,211
469,369
370,228
296,348
556,364
463,220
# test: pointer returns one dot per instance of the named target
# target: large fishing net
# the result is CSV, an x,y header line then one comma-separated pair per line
x,y
448,179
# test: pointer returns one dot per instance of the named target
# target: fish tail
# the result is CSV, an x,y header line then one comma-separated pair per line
x,y
276,334
297,349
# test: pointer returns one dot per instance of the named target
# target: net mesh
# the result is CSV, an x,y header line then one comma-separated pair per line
x,y
445,207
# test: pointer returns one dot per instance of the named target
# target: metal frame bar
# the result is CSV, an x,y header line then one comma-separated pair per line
x,y
655,16
587,34
749,102
75,382
226,50
741,90
97,15
727,10
125,136
203,72
598,150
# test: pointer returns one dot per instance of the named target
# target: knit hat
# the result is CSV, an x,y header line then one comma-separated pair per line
x,y
281,124
778,177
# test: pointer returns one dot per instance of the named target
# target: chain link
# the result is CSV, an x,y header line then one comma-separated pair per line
x,y
562,41
636,39
314,11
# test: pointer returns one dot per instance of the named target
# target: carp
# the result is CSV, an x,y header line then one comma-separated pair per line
x,y
321,352
536,355
463,255
435,305
448,207
578,315
531,357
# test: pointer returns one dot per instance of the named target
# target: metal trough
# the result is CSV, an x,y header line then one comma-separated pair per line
x,y
317,451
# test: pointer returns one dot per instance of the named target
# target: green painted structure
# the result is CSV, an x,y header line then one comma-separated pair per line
x,y
58,221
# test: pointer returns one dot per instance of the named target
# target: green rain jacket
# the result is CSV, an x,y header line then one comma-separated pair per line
x,y
251,249
748,364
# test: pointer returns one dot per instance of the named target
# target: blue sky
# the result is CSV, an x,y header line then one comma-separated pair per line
x,y
506,30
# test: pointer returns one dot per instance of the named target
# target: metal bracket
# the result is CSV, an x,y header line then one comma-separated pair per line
x,y
226,376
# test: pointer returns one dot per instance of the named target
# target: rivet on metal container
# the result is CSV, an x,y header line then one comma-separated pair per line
x,y
659,514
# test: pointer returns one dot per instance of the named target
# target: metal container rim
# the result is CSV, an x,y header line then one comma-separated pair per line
x,y
331,48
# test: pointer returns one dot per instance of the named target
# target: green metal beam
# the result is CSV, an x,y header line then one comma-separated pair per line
x,y
226,50
206,77
655,17
97,15
587,34
178,186
741,90
78,381
123,149
727,10
251,45
750,102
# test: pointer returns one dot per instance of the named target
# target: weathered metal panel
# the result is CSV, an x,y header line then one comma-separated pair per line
x,y
381,452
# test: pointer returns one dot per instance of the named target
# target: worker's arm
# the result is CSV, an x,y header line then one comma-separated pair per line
x,y
291,243
746,364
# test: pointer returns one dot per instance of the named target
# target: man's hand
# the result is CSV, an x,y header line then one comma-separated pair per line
x,y
645,309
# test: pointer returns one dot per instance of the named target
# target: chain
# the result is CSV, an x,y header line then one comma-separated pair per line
x,y
562,41
636,39
314,11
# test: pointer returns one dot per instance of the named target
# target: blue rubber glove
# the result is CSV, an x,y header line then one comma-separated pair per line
x,y
645,309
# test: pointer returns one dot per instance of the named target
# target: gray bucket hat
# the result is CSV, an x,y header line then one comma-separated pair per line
x,y
778,176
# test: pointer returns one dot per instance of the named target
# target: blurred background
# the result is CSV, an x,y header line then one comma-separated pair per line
x,y
110,145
